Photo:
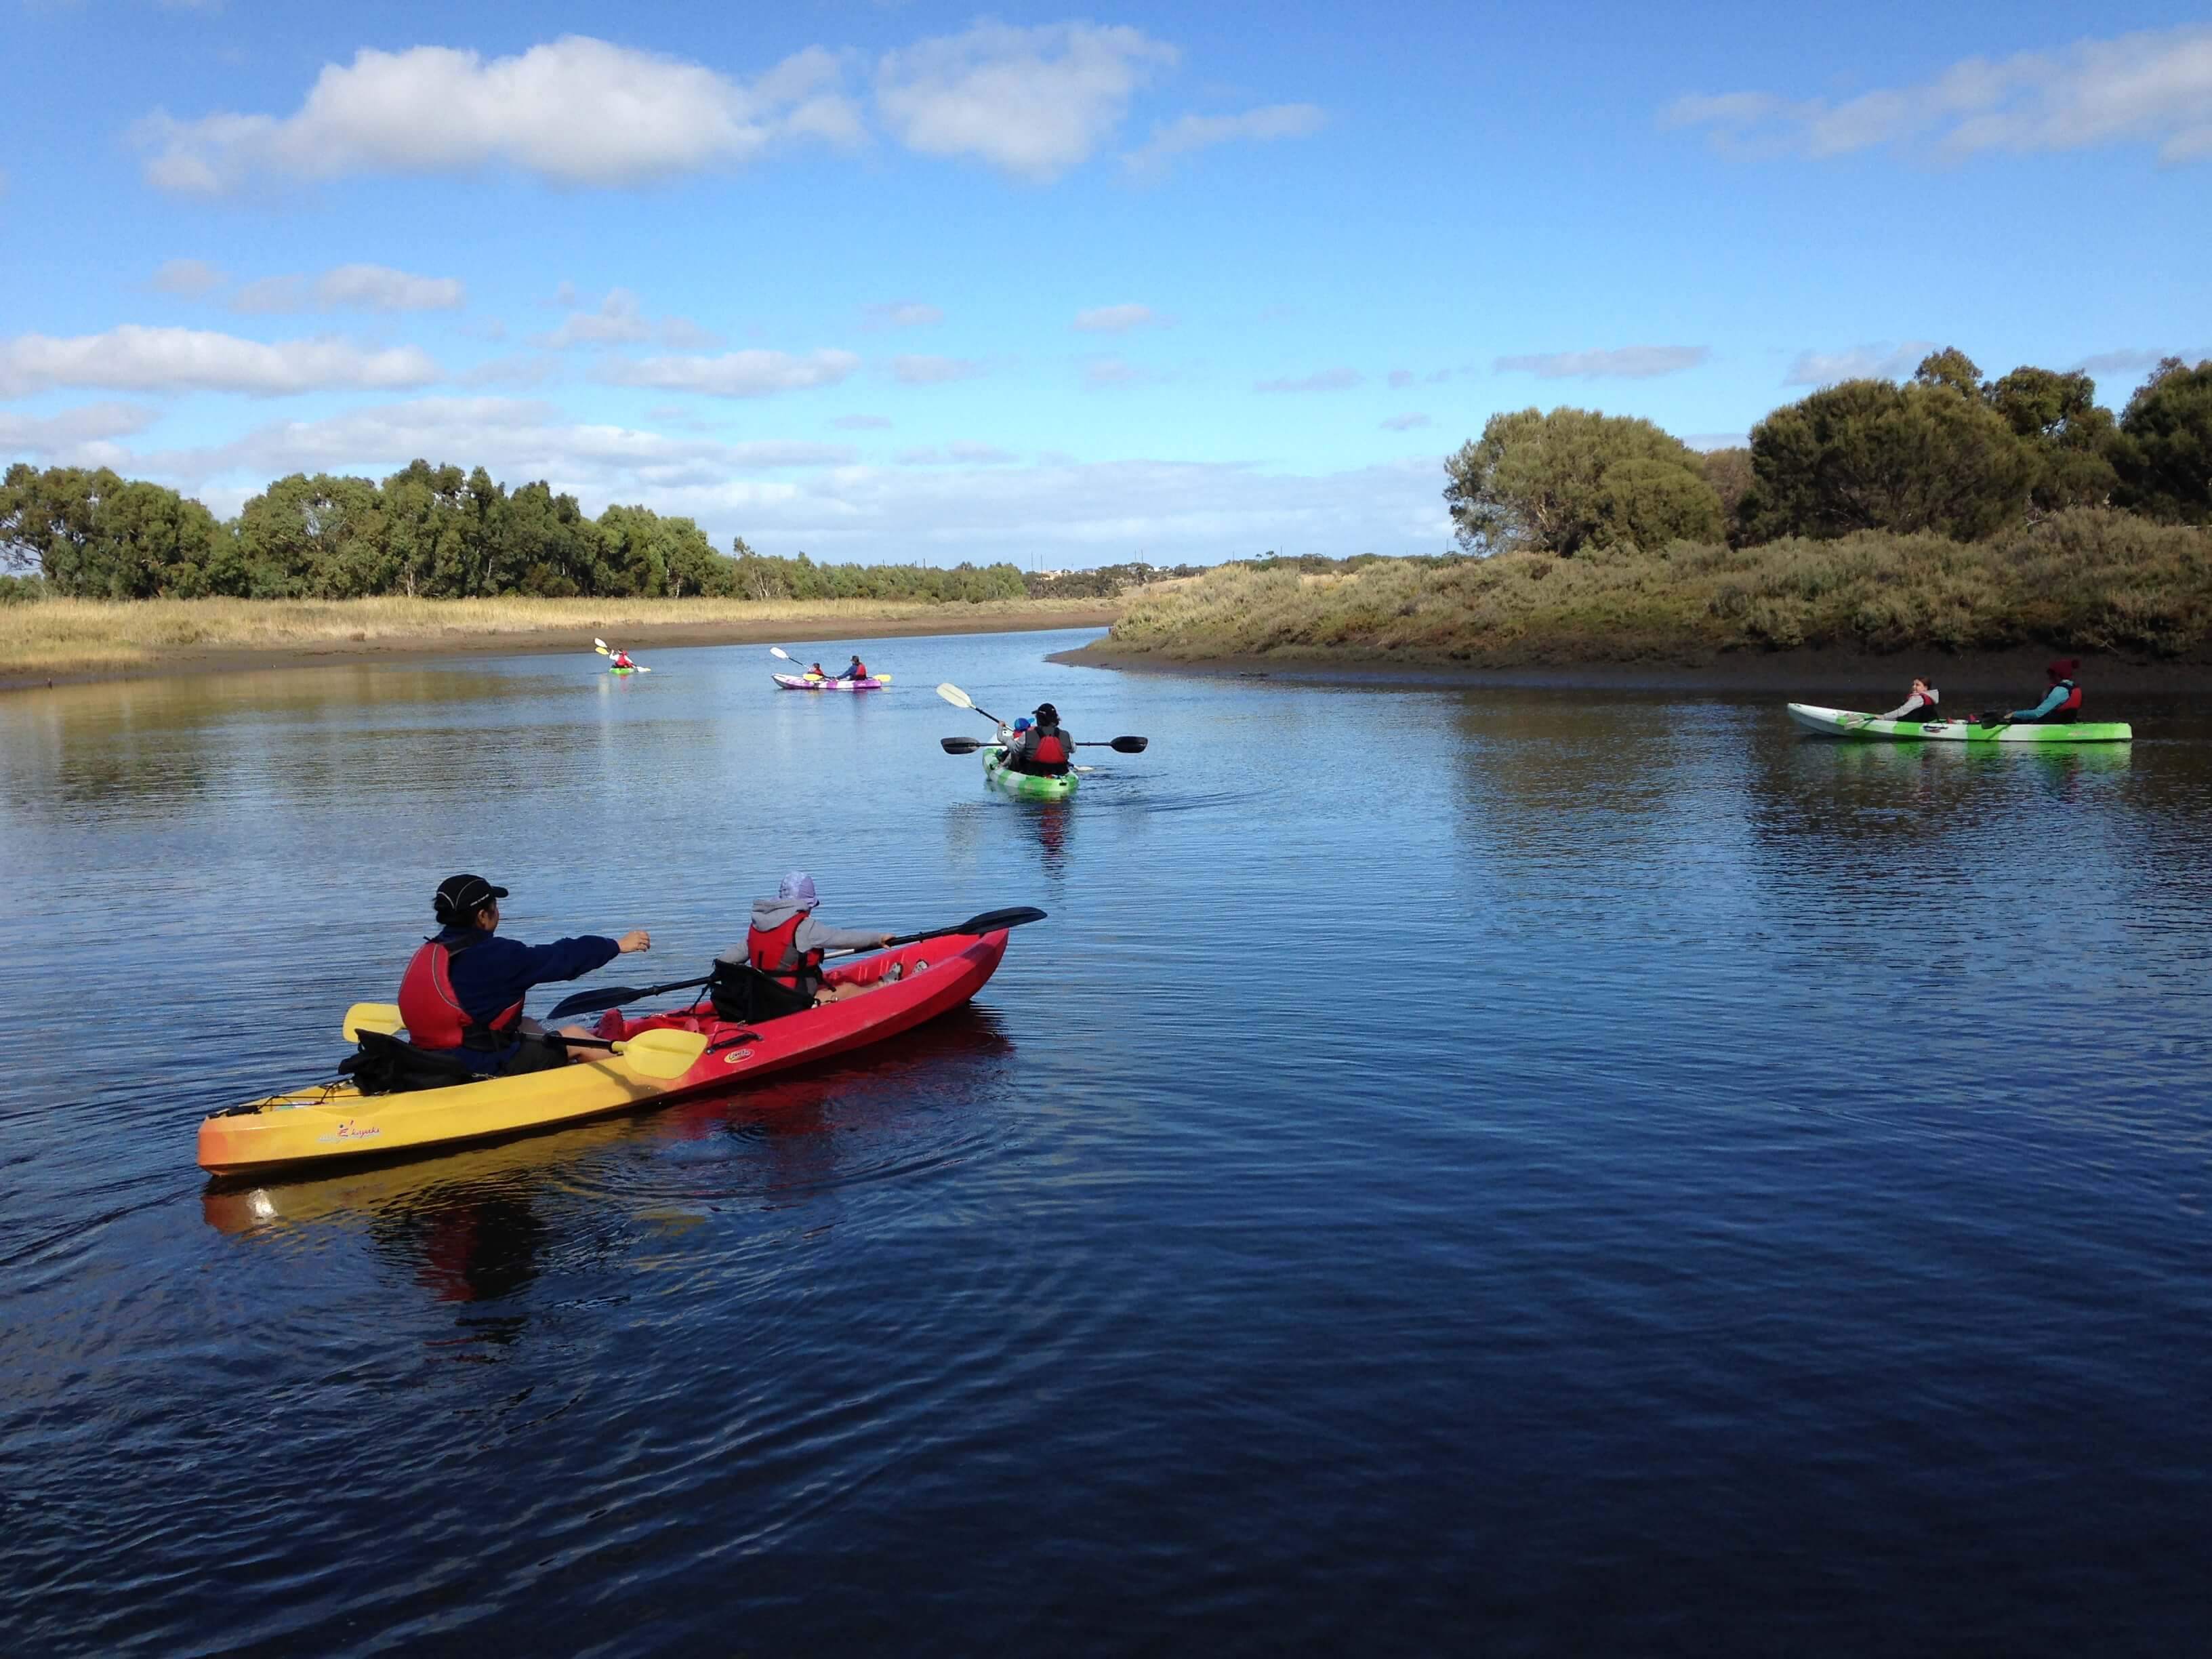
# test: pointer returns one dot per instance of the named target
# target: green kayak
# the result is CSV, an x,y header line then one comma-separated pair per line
x,y
1843,723
1025,783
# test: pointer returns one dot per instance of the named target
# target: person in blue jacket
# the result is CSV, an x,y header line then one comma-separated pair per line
x,y
2061,704
462,993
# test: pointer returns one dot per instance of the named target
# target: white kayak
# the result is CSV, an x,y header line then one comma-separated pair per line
x,y
1843,723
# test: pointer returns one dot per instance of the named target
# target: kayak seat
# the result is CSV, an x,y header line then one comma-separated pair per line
x,y
385,1065
741,993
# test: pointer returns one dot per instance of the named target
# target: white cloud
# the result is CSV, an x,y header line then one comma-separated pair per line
x,y
901,313
379,288
266,295
734,373
1641,362
2154,88
1031,102
1194,132
1328,380
1706,442
134,358
1405,422
519,370
619,321
1878,362
2128,361
955,454
578,112
75,437
934,371
190,278
1118,319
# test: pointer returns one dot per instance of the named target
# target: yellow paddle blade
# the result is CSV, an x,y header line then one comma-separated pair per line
x,y
885,678
382,1017
603,651
663,1053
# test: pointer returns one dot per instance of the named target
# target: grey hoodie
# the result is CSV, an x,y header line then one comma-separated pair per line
x,y
769,913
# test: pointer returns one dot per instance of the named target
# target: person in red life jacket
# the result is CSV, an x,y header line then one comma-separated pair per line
x,y
855,670
2061,705
787,942
1919,706
622,660
462,994
1043,749
815,673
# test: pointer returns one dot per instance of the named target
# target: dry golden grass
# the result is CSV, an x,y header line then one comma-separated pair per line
x,y
60,638
2086,581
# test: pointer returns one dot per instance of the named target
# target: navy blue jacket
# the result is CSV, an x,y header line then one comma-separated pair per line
x,y
495,972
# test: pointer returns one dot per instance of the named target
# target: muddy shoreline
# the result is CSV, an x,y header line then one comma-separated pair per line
x,y
1967,679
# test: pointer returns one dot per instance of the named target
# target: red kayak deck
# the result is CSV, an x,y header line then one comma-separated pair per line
x,y
932,977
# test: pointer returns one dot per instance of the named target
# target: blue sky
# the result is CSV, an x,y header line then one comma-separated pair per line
x,y
893,281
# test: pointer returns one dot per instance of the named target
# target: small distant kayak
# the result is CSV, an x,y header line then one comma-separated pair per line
x,y
1025,783
632,670
808,682
1843,723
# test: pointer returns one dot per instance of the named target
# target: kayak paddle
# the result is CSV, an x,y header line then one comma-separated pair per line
x,y
1119,746
651,1053
990,922
959,699
614,996
601,647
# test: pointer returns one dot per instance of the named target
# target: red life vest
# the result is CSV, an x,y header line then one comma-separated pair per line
x,y
431,1013
859,670
2073,703
768,949
1051,749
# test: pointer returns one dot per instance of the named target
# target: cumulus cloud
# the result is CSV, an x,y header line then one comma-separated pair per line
x,y
934,371
2128,361
620,321
1405,422
1880,363
955,454
1118,319
1174,139
578,111
134,358
1641,362
2153,88
379,288
1031,102
901,313
733,373
75,437
1328,380
190,278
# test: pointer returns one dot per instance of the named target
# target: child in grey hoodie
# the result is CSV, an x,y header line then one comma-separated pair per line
x,y
785,939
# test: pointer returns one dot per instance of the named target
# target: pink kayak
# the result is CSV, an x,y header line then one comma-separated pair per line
x,y
808,682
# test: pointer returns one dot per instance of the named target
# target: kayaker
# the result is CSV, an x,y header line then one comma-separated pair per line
x,y
622,660
1043,750
2061,704
786,941
855,670
1920,705
816,672
462,993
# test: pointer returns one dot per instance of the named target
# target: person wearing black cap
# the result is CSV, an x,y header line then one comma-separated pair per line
x,y
1044,749
462,993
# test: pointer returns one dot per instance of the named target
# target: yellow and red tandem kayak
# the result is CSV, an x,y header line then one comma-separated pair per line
x,y
335,1120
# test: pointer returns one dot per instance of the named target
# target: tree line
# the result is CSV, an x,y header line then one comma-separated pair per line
x,y
1946,452
432,532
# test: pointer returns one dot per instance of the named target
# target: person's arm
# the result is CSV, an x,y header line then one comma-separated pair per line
x,y
1904,710
2058,696
814,935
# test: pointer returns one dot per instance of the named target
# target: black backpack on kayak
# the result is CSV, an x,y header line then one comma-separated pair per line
x,y
385,1065
740,992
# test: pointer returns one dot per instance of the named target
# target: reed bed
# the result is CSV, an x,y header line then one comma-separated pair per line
x,y
2086,581
71,638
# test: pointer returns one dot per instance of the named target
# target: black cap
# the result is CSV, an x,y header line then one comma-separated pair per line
x,y
1047,712
459,897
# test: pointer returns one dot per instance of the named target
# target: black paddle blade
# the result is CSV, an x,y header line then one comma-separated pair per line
x,y
1129,746
614,996
961,745
992,920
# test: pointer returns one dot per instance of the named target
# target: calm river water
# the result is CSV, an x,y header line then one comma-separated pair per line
x,y
1512,1171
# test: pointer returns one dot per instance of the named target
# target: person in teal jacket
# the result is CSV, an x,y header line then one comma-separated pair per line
x,y
2061,704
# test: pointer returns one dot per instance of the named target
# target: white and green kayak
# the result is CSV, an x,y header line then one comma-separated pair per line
x,y
1025,783
1843,723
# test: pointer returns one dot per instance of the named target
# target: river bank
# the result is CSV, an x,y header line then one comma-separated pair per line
x,y
64,641
2132,599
